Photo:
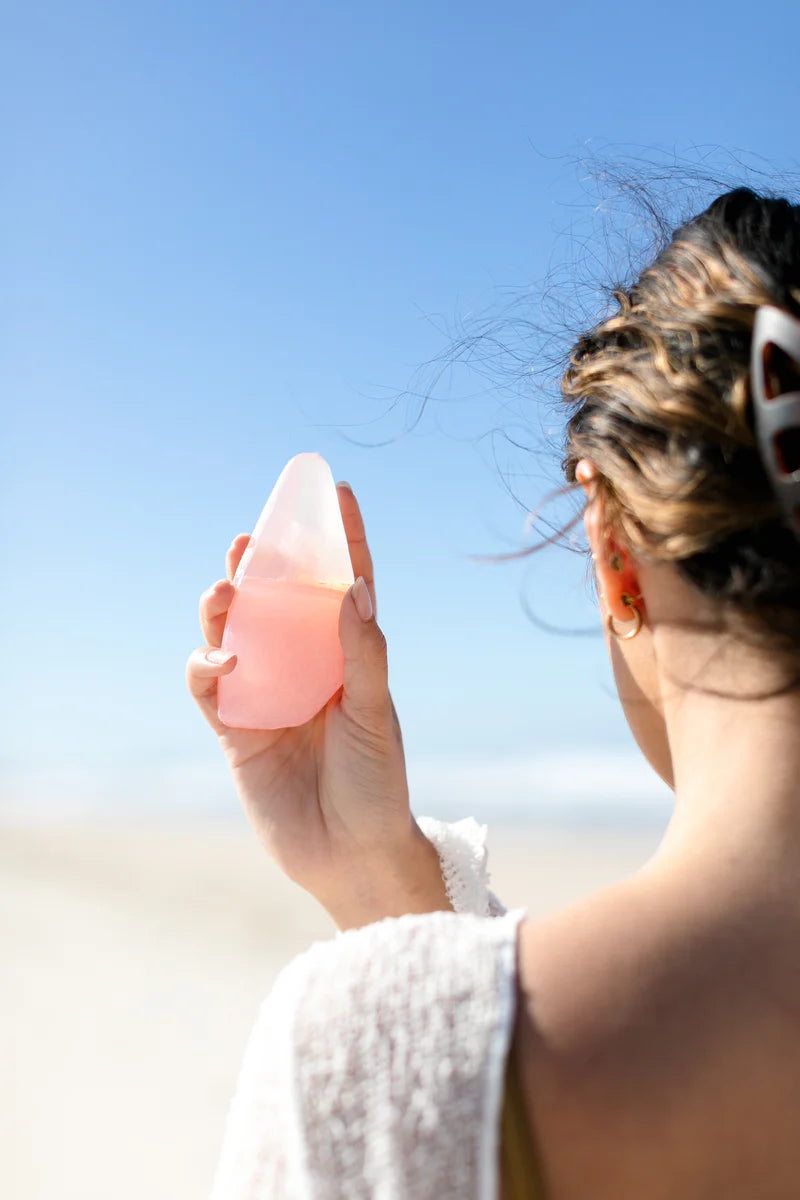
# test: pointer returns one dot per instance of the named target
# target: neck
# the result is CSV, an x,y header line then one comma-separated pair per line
x,y
736,775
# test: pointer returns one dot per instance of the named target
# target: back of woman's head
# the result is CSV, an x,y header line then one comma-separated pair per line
x,y
660,401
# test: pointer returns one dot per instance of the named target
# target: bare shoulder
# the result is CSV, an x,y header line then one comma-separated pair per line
x,y
636,1025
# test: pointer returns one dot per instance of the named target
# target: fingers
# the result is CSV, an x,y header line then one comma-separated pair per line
x,y
202,674
235,552
215,602
214,605
353,522
202,671
366,677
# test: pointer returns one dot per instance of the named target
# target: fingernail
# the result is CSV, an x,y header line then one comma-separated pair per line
x,y
362,599
218,656
343,483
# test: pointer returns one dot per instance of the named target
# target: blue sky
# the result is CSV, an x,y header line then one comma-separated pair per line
x,y
235,232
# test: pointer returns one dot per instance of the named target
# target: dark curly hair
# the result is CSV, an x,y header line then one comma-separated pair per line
x,y
660,401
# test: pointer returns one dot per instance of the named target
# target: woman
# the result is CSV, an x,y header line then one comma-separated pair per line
x,y
644,1042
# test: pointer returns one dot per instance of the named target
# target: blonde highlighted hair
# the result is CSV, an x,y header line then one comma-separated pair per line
x,y
659,399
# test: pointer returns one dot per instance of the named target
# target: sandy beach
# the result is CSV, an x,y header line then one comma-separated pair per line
x,y
134,962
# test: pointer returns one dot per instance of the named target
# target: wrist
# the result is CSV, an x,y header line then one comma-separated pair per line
x,y
409,882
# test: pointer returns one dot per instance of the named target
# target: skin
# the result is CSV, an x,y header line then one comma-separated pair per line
x,y
328,800
657,1029
658,1023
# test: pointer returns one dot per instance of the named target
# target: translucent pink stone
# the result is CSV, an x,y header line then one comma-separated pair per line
x,y
283,622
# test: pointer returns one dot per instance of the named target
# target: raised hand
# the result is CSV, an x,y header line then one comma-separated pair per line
x,y
329,799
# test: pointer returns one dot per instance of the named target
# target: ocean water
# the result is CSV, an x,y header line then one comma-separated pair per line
x,y
596,786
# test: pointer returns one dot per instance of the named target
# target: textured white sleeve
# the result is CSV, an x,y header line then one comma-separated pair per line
x,y
376,1068
461,846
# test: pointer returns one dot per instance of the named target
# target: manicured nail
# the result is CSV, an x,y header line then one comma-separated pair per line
x,y
343,483
218,657
362,599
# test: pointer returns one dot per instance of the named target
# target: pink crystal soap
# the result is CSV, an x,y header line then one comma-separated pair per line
x,y
283,622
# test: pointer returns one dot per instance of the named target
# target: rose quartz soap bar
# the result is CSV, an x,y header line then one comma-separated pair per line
x,y
283,622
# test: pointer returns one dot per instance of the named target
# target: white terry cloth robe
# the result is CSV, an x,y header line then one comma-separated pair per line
x,y
376,1067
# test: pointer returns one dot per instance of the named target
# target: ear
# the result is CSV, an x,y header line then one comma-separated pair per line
x,y
586,474
612,583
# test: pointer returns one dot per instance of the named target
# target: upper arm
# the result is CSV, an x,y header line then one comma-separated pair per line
x,y
376,1065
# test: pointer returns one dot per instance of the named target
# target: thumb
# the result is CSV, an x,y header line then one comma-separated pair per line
x,y
366,674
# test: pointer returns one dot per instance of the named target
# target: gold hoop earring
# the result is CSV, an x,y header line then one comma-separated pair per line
x,y
630,601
